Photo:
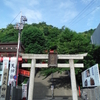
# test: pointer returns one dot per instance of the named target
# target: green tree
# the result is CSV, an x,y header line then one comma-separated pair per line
x,y
37,38
33,40
9,34
52,38
72,43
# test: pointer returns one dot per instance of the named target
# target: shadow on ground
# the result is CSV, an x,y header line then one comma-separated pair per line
x,y
40,91
62,81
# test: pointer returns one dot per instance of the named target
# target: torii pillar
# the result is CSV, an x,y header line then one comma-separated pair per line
x,y
73,79
71,64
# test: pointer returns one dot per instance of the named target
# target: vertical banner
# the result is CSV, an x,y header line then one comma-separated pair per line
x,y
5,77
1,72
12,71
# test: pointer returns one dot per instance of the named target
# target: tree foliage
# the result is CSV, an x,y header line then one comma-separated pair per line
x,y
9,34
72,43
33,40
37,38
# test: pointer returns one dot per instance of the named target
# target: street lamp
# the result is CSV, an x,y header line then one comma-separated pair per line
x,y
19,26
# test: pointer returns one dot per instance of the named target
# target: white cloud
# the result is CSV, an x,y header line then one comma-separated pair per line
x,y
69,16
9,4
32,2
27,9
65,5
32,15
15,5
86,1
89,21
20,2
96,9
69,11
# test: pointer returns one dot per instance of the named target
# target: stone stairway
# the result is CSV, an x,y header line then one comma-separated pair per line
x,y
62,87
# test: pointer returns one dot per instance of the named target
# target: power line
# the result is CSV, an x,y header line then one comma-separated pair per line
x,y
88,14
15,17
82,11
73,20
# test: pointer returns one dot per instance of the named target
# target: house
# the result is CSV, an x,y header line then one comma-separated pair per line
x,y
10,50
95,38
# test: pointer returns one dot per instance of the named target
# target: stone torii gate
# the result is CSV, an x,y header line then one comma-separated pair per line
x,y
71,64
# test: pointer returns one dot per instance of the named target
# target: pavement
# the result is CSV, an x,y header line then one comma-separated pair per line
x,y
61,89
58,98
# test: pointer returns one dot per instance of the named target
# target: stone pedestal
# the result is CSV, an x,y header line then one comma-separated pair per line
x,y
91,93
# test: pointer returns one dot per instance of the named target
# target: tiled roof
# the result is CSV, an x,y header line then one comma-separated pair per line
x,y
10,47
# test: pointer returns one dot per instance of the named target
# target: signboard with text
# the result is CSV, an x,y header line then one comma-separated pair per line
x,y
12,70
90,77
5,77
52,60
24,90
24,72
1,72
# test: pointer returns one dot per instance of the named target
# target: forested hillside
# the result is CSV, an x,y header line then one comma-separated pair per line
x,y
39,38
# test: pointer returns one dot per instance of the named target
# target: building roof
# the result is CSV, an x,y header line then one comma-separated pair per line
x,y
10,47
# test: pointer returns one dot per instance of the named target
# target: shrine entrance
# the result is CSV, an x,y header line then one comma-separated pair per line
x,y
71,64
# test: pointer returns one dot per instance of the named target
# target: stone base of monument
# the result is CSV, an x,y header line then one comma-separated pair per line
x,y
91,93
97,93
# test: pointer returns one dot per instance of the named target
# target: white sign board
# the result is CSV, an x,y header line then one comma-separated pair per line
x,y
90,77
5,77
12,71
24,90
1,72
2,69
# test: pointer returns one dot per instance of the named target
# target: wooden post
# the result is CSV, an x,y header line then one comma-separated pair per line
x,y
31,81
73,80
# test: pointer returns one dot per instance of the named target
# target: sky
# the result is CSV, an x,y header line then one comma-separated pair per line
x,y
77,15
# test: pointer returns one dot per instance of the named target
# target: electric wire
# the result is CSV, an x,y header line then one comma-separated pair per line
x,y
15,17
88,14
84,9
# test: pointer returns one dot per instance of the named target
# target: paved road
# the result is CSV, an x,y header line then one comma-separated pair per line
x,y
58,98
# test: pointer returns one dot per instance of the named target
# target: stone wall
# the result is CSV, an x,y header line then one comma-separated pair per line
x,y
90,93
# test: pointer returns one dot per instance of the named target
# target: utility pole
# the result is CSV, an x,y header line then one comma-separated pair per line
x,y
19,26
